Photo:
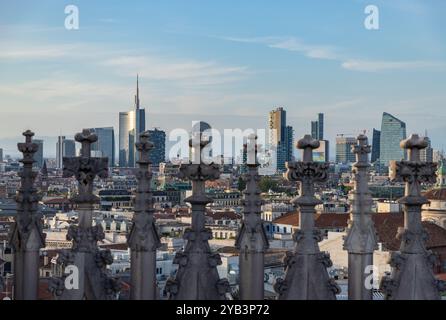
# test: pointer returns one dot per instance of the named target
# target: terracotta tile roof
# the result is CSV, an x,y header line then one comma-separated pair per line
x,y
58,201
114,246
386,225
324,220
219,215
436,194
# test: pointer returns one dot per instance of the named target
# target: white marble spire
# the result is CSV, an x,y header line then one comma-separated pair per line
x,y
27,237
143,238
306,275
93,282
252,241
360,241
412,276
197,277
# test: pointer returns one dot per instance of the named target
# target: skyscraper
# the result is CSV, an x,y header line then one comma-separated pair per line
x,y
314,130
64,148
320,126
131,125
344,152
281,138
105,144
427,155
158,154
393,131
1,155
317,128
376,145
38,156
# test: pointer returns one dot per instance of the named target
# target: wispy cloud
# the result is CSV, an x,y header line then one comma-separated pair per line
x,y
293,44
156,68
151,65
376,65
328,52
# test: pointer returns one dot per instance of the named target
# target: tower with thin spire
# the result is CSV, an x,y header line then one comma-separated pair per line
x,y
131,124
137,93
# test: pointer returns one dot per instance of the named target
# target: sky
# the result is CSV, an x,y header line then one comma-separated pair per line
x,y
226,62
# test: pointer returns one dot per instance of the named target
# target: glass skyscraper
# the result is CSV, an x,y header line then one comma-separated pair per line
x,y
281,138
317,127
344,152
393,131
64,148
105,144
131,125
38,156
376,145
158,153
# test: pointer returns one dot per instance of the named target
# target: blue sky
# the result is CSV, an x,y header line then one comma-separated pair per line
x,y
227,62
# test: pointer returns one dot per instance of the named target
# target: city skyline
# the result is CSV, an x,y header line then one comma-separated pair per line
x,y
194,67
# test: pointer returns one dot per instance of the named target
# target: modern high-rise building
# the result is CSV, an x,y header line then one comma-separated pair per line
x,y
427,154
281,138
105,144
344,152
393,131
376,143
317,128
158,153
131,125
64,148
38,156
322,154
1,155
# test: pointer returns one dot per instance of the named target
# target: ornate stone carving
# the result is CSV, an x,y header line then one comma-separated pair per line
x,y
197,276
26,236
85,256
412,277
252,241
360,241
306,270
143,238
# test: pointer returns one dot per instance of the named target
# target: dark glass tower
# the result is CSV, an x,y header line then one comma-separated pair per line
x,y
376,145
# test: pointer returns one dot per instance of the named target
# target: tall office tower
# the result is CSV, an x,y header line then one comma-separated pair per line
x,y
64,148
281,138
105,146
344,152
437,155
376,143
1,155
322,154
427,155
317,128
158,153
131,124
393,131
320,126
314,129
38,156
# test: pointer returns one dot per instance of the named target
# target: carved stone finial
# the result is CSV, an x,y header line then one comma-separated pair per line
x,y
412,277
308,144
361,240
143,239
413,145
251,241
251,150
26,236
86,138
197,277
306,272
85,254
